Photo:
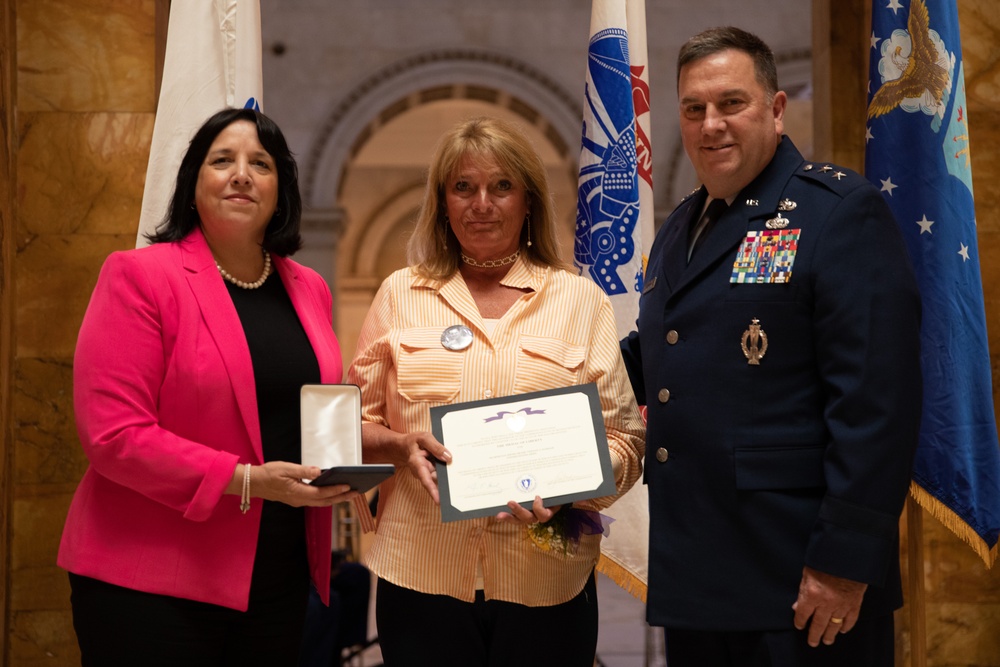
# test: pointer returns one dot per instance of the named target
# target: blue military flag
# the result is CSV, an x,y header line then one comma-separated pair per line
x,y
614,222
918,155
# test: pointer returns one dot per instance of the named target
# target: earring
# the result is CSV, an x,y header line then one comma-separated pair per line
x,y
527,220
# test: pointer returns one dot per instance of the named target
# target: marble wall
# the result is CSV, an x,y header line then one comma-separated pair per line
x,y
77,116
85,101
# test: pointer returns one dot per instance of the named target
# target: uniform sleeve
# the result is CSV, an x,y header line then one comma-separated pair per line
x,y
631,350
118,369
867,328
625,430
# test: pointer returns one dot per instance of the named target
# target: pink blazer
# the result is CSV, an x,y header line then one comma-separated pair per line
x,y
166,408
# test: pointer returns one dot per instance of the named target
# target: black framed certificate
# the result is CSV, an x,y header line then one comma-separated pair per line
x,y
546,443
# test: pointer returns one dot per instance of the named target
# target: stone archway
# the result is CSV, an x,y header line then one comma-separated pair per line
x,y
354,244
431,76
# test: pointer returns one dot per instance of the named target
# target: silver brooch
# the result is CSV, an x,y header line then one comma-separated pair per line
x,y
457,337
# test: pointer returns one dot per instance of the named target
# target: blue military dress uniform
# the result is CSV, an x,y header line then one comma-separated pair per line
x,y
781,373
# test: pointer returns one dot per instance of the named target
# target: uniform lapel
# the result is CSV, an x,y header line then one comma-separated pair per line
x,y
757,200
675,243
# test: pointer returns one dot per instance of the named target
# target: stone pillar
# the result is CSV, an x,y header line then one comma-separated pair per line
x,y
8,176
85,97
322,229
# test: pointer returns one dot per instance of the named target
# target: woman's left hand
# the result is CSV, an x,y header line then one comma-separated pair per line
x,y
537,514
282,481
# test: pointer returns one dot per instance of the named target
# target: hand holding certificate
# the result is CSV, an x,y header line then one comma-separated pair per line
x,y
550,444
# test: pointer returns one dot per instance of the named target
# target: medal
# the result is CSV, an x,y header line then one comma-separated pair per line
x,y
456,337
754,343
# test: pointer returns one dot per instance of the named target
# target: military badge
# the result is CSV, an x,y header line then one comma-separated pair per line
x,y
754,343
777,222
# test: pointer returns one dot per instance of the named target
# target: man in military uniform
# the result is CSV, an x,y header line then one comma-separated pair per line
x,y
778,354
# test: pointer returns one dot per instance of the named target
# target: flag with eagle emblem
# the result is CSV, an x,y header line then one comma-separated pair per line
x,y
918,155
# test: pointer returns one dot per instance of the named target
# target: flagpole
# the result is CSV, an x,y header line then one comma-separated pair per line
x,y
915,579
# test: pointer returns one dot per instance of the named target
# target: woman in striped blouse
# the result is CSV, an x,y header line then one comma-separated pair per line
x,y
486,309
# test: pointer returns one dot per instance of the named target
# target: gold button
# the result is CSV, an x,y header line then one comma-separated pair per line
x,y
662,455
672,336
663,395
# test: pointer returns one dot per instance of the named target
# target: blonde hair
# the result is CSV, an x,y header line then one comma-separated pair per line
x,y
433,250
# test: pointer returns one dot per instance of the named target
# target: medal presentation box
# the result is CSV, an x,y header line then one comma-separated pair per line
x,y
331,437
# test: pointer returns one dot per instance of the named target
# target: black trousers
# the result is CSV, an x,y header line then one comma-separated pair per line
x,y
871,643
122,626
418,630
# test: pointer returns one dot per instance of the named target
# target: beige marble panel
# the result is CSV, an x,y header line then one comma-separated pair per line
x,y
37,519
985,136
42,587
46,449
55,276
85,55
980,27
81,173
963,634
42,639
989,266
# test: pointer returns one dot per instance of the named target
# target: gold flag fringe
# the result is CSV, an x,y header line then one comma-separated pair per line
x,y
619,574
953,522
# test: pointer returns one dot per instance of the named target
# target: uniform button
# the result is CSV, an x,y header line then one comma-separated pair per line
x,y
662,455
663,395
672,337
488,393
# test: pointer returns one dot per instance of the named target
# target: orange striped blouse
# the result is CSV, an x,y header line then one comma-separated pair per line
x,y
561,333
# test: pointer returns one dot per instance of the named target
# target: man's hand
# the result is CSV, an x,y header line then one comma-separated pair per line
x,y
833,604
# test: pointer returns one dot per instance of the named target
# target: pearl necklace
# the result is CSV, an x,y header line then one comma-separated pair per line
x,y
245,285
491,263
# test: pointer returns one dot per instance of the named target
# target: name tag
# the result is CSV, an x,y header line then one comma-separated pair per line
x,y
766,256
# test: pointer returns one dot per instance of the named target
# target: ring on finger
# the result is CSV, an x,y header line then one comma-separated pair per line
x,y
836,621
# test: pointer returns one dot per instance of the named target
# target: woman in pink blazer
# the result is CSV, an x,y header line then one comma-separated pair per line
x,y
192,537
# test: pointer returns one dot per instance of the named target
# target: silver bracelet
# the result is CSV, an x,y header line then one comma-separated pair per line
x,y
245,498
